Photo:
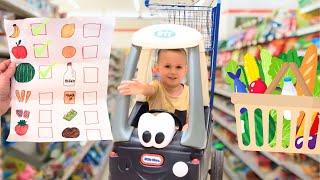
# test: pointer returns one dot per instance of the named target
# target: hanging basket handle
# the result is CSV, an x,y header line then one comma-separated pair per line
x,y
281,73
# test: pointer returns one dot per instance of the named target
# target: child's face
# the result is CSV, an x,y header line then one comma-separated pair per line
x,y
172,67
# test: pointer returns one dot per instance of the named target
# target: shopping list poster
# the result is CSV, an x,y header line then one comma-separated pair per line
x,y
59,89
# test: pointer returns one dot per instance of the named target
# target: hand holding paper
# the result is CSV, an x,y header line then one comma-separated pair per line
x,y
7,70
58,89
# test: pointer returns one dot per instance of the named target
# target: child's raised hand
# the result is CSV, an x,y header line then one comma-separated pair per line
x,y
133,87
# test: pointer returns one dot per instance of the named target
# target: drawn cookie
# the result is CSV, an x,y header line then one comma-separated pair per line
x,y
71,132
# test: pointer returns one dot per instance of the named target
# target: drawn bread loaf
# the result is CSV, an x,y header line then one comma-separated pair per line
x,y
308,69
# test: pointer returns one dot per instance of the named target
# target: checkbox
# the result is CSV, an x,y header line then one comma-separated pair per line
x,y
91,30
45,116
93,134
39,29
41,50
90,52
46,98
90,75
90,98
45,132
45,72
91,117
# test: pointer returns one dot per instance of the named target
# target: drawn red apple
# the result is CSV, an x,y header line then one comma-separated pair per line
x,y
19,52
257,86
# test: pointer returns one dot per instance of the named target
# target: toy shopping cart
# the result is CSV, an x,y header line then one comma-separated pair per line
x,y
145,148
205,19
278,123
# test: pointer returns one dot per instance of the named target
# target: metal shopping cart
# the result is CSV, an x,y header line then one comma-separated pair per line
x,y
148,148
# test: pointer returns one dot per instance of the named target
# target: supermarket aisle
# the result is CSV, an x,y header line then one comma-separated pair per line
x,y
285,29
259,34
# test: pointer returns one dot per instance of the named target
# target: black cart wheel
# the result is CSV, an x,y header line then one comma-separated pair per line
x,y
216,172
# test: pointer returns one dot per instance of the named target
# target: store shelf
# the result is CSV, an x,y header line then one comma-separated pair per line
x,y
103,167
230,126
223,108
4,52
300,32
20,7
229,172
223,92
291,166
314,157
308,30
248,159
35,161
84,150
310,7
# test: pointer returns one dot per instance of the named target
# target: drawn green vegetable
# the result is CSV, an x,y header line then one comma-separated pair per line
x,y
261,72
292,56
316,91
24,73
275,66
243,76
231,66
258,127
265,63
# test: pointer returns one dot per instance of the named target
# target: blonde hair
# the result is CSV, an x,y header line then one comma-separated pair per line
x,y
181,50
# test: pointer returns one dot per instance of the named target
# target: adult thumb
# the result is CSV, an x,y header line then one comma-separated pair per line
x,y
10,71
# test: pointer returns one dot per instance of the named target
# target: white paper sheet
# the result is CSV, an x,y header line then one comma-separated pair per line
x,y
64,96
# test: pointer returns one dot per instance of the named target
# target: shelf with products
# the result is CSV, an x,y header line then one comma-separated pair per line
x,y
14,9
300,32
116,65
310,7
29,8
292,166
275,47
103,168
246,157
93,164
4,52
229,172
224,122
70,169
224,105
283,31
233,166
